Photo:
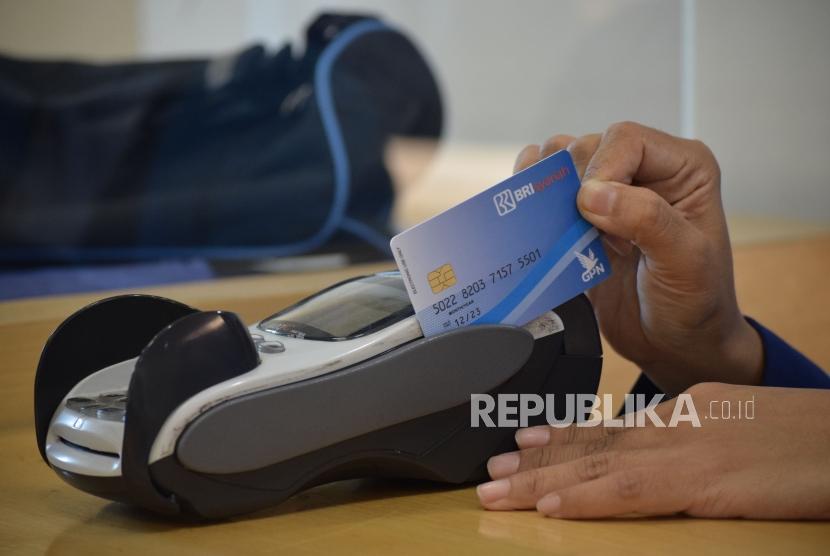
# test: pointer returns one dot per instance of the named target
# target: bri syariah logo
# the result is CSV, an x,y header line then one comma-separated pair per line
x,y
507,200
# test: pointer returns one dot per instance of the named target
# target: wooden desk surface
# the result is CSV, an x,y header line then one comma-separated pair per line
x,y
783,285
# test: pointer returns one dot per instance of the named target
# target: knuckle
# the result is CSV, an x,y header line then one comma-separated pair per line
x,y
583,147
579,150
557,142
628,485
701,147
558,435
623,129
708,166
565,436
525,155
532,482
534,458
582,151
576,145
704,151
573,434
593,466
598,445
571,453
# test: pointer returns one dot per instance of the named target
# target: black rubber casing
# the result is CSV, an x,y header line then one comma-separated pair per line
x,y
191,351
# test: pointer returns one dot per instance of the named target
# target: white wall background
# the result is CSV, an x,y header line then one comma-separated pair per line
x,y
763,102
749,77
512,72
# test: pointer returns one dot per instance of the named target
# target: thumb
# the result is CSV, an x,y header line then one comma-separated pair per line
x,y
639,215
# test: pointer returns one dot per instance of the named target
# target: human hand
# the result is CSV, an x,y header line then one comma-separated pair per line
x,y
669,305
773,466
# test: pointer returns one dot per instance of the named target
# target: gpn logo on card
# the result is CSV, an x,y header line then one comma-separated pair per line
x,y
591,265
441,278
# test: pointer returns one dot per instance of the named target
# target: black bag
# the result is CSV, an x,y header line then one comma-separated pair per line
x,y
251,156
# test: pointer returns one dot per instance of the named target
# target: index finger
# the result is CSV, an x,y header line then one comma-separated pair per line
x,y
635,154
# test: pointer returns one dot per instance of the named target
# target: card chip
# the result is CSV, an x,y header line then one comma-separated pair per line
x,y
441,278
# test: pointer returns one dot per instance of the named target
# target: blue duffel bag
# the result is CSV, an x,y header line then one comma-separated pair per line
x,y
256,155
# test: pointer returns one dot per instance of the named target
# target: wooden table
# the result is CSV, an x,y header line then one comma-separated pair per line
x,y
783,285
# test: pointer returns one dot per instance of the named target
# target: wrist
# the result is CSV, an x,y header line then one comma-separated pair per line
x,y
743,355
735,357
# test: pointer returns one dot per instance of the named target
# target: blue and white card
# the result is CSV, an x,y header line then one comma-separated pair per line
x,y
506,255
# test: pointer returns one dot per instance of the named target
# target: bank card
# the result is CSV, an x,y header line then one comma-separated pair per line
x,y
507,255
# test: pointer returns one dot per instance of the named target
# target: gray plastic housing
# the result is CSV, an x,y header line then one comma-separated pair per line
x,y
423,377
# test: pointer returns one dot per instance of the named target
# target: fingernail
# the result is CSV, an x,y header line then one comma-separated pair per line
x,y
492,491
597,197
532,437
503,465
549,505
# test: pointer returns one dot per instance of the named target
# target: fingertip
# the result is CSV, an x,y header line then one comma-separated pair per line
x,y
491,492
596,197
527,156
556,144
550,505
533,437
503,465
499,505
